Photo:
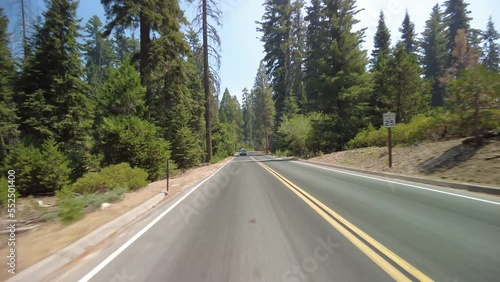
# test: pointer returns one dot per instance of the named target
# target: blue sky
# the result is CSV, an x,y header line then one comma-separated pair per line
x,y
242,49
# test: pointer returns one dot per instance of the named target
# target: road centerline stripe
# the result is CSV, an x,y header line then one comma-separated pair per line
x,y
351,232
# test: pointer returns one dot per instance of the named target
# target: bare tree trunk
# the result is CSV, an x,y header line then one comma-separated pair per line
x,y
25,38
145,40
206,84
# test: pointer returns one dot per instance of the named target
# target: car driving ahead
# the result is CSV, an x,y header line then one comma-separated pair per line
x,y
243,152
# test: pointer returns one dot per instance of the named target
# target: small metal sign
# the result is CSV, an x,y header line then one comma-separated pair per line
x,y
389,120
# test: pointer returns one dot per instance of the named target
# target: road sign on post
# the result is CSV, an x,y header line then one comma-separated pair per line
x,y
389,121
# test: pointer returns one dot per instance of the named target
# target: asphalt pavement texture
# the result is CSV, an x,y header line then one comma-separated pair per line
x,y
245,224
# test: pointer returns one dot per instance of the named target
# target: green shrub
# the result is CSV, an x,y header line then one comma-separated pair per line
x,y
125,176
55,171
110,177
134,141
38,171
28,163
281,153
4,192
95,200
186,151
294,132
420,128
70,208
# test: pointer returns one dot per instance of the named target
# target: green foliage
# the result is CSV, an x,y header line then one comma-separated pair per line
x,y
408,35
231,115
248,117
280,153
122,93
408,92
39,171
111,178
294,133
98,53
381,41
440,125
121,175
186,151
264,108
4,192
70,207
222,141
417,130
55,171
276,28
476,89
134,141
491,48
95,200
8,134
456,17
433,45
27,161
53,99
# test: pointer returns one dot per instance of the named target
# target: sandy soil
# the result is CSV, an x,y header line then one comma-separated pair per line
x,y
33,246
448,160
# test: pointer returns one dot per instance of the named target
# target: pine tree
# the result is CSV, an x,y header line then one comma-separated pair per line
x,y
230,113
55,171
276,28
264,108
248,116
53,100
491,48
209,10
298,53
455,18
343,86
125,47
290,108
186,151
380,55
8,133
123,14
315,52
122,94
475,90
381,41
98,53
161,18
434,57
408,93
408,35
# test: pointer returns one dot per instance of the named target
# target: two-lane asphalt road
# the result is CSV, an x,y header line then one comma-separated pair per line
x,y
266,219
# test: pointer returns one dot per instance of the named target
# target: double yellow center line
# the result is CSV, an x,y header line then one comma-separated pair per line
x,y
360,239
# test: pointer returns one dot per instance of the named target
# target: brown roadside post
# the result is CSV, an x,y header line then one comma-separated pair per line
x,y
389,121
168,173
390,147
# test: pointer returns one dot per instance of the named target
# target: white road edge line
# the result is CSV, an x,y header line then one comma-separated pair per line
x,y
105,262
400,183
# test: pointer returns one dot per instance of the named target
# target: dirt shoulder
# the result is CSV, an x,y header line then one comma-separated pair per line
x,y
50,237
446,160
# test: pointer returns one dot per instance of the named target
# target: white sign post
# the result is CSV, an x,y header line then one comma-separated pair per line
x,y
389,121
